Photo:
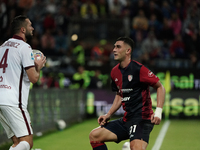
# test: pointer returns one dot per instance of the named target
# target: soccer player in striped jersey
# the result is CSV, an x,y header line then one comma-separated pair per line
x,y
131,81
18,68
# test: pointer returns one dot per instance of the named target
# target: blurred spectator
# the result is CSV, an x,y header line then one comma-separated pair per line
x,y
95,81
115,7
166,32
126,16
80,79
36,15
150,48
97,54
3,19
175,23
177,48
154,9
79,53
192,17
193,9
74,9
48,80
140,21
139,38
138,5
107,46
89,10
51,7
62,20
64,3
11,10
155,24
48,43
193,56
64,82
179,9
61,43
166,9
24,6
165,46
102,8
49,22
189,30
192,42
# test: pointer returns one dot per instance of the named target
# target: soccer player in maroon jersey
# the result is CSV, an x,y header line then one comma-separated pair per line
x,y
130,81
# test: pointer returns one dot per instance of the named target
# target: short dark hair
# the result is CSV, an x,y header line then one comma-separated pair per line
x,y
128,41
17,23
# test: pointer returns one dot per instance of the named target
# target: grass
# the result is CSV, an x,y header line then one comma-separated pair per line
x,y
181,135
77,137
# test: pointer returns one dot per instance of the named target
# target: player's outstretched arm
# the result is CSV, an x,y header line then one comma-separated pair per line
x,y
157,116
115,106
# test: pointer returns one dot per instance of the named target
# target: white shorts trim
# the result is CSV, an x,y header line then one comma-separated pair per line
x,y
15,121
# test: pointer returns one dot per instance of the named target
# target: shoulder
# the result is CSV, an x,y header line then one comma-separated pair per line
x,y
26,45
114,70
136,65
136,62
19,44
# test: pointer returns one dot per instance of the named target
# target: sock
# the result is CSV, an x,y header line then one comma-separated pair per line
x,y
23,145
96,145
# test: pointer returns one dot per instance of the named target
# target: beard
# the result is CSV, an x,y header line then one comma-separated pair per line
x,y
28,36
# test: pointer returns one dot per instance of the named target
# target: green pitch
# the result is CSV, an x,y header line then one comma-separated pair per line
x,y
181,135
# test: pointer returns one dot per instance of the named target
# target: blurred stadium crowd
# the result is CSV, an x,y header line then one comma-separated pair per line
x,y
77,36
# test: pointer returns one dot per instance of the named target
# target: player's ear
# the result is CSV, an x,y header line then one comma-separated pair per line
x,y
23,29
128,50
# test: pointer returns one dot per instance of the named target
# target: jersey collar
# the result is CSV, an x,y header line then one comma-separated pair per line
x,y
17,37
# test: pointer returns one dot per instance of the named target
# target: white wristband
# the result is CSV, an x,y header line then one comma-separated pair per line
x,y
158,112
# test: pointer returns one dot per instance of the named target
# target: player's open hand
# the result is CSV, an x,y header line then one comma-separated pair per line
x,y
155,120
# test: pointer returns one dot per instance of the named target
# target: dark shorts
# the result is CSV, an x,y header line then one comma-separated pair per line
x,y
129,130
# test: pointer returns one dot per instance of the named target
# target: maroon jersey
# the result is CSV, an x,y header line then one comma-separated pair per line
x,y
133,84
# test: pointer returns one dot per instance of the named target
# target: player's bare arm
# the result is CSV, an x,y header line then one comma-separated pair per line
x,y
34,72
157,116
115,106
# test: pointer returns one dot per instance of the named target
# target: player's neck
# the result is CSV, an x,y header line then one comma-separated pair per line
x,y
125,63
22,36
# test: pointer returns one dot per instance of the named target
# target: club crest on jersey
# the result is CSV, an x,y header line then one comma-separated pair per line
x,y
130,77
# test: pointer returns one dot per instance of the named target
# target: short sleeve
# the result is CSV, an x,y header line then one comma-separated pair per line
x,y
147,76
27,56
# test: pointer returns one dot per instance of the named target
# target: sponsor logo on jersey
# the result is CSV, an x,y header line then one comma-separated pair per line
x,y
32,56
1,78
126,90
125,99
5,86
130,77
150,74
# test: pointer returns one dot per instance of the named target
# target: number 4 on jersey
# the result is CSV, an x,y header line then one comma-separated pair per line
x,y
3,63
